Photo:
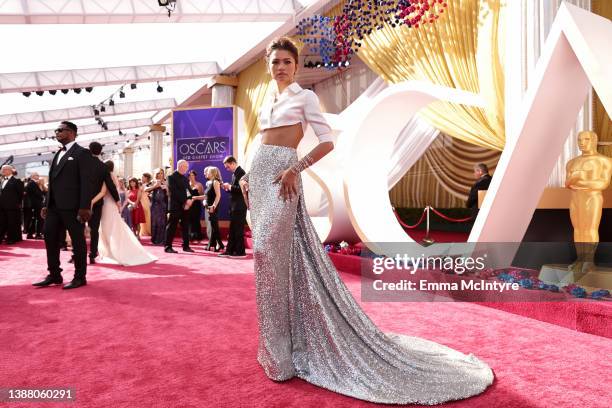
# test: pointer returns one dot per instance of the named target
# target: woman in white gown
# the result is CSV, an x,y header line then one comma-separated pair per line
x,y
118,244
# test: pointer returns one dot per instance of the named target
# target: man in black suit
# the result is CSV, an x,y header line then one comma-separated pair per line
x,y
11,196
179,200
99,176
483,179
238,210
32,204
68,205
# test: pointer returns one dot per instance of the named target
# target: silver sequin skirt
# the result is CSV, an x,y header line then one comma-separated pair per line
x,y
311,327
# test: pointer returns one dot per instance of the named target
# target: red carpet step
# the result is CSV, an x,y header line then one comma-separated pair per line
x,y
583,315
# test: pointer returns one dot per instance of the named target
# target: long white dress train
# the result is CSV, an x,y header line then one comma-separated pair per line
x,y
118,244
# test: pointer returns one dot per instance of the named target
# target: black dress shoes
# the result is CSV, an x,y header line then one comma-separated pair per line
x,y
170,251
92,259
76,283
187,249
48,281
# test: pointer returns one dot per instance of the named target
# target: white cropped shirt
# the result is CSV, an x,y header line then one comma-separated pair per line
x,y
295,105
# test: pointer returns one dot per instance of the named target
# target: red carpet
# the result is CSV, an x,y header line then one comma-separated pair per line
x,y
183,333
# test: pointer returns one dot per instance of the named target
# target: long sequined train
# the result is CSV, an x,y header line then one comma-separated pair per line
x,y
311,327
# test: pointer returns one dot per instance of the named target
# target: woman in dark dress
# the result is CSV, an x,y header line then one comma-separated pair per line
x,y
195,211
213,197
158,194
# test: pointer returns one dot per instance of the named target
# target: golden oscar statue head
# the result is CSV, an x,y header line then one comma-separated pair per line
x,y
587,142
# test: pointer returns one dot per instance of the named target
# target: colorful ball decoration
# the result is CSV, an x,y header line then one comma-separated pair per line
x,y
334,40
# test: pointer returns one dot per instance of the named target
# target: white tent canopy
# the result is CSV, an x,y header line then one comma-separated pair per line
x,y
6,140
82,112
144,11
81,78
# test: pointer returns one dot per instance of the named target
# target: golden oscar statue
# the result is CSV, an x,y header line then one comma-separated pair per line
x,y
586,176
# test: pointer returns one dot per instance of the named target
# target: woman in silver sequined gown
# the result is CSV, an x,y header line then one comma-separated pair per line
x,y
309,324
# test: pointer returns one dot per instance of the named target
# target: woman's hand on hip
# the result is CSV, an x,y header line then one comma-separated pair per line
x,y
288,185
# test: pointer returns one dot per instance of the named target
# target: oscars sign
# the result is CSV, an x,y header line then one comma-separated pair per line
x,y
204,137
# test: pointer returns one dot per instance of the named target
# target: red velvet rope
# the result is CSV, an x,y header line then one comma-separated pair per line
x,y
409,226
439,214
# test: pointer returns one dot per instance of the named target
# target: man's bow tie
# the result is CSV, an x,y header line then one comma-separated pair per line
x,y
63,149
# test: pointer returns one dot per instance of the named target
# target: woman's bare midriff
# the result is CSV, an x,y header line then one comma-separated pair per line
x,y
288,136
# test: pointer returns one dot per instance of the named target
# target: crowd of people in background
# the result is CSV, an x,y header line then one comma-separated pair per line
x,y
144,206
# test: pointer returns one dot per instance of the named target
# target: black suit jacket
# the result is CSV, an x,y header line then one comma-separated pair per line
x,y
237,199
100,175
177,191
480,184
33,195
11,195
70,180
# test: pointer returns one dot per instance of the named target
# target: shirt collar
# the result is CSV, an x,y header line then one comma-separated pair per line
x,y
69,145
294,88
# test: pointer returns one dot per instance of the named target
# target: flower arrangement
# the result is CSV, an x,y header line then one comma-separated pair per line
x,y
526,280
343,248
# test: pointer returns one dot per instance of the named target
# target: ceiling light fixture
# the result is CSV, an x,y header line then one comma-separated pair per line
x,y
170,6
